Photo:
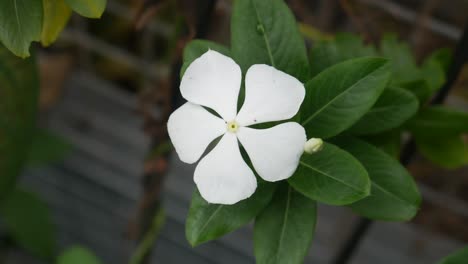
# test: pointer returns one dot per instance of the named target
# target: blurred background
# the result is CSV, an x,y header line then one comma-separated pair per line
x,y
104,165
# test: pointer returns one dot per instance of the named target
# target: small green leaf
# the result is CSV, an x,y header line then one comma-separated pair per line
x,y
449,151
343,47
419,88
284,230
55,18
433,73
47,147
28,221
443,57
207,221
403,65
439,120
20,24
266,32
340,95
19,88
198,47
88,8
392,109
458,257
331,176
394,194
77,255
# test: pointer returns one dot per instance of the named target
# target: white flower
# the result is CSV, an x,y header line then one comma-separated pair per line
x,y
213,81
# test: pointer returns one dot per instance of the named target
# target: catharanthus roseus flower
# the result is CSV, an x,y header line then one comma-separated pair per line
x,y
213,81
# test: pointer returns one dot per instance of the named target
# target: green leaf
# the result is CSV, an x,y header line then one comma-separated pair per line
x,y
20,24
345,46
420,88
198,47
433,73
207,221
55,18
458,257
439,120
88,8
47,147
340,95
284,230
443,57
77,255
19,86
449,151
331,176
394,107
403,65
266,32
394,194
388,141
28,221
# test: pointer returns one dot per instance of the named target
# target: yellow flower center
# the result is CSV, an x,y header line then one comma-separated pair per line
x,y
232,126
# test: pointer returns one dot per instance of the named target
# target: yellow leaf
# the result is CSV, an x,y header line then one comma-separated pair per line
x,y
56,15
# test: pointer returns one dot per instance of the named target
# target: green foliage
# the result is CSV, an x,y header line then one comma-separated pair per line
x,y
284,230
458,257
88,8
331,176
394,194
344,46
207,221
392,109
55,18
439,121
25,21
266,32
19,87
340,95
47,147
449,151
29,223
77,255
20,24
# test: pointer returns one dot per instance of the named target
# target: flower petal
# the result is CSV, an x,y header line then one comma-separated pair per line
x,y
222,176
270,95
274,152
213,80
191,129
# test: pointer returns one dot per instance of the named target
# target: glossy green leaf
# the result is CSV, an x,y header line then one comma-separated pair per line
x,y
46,148
394,194
449,151
331,176
77,255
88,8
266,32
284,230
55,18
19,87
403,65
340,95
439,120
198,47
343,47
20,24
394,107
458,257
207,221
435,67
28,221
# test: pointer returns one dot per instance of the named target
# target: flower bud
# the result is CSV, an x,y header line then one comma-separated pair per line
x,y
313,145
